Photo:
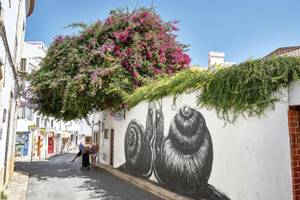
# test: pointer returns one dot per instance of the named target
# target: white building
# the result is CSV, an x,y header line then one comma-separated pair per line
x,y
32,54
12,30
40,136
217,58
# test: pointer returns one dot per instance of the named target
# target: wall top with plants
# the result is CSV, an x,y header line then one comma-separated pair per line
x,y
98,67
248,88
133,56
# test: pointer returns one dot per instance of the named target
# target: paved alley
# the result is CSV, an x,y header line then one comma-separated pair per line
x,y
59,179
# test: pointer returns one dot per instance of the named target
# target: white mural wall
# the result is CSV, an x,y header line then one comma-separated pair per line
x,y
251,158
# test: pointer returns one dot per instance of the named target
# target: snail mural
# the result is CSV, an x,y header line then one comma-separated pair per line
x,y
180,161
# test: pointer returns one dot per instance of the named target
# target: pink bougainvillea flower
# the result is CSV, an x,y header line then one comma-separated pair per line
x,y
109,20
173,27
128,51
149,54
170,70
122,36
162,58
126,65
156,70
135,74
138,65
59,38
106,48
145,14
94,76
117,51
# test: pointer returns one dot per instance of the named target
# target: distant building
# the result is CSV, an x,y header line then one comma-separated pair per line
x,y
40,136
28,121
285,51
216,58
12,31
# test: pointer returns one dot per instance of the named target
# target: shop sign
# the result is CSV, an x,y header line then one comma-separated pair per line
x,y
31,128
43,131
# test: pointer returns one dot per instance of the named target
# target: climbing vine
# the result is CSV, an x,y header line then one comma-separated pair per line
x,y
247,88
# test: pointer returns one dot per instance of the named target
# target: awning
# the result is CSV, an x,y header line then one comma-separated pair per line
x,y
65,135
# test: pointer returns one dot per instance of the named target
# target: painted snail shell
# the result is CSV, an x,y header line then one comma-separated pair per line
x,y
158,141
138,151
187,153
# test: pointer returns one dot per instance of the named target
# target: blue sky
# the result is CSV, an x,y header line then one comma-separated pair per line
x,y
243,29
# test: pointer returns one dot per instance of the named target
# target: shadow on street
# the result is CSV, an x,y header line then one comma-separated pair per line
x,y
58,178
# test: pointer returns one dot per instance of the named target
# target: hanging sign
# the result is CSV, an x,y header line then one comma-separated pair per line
x,y
43,131
31,128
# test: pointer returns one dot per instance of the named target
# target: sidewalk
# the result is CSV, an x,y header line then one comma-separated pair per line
x,y
146,185
17,186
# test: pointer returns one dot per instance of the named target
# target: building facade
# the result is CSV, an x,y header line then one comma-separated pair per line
x,y
27,120
285,51
12,31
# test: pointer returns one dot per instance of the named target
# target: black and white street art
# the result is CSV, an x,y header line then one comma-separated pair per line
x,y
181,161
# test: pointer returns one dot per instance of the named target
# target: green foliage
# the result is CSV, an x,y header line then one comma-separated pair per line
x,y
102,64
188,80
247,88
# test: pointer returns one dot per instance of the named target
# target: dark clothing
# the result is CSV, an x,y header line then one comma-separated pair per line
x,y
79,153
85,159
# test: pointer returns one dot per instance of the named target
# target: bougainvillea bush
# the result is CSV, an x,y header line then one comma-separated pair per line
x,y
98,67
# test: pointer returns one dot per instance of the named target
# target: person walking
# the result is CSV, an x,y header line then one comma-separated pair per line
x,y
94,153
81,148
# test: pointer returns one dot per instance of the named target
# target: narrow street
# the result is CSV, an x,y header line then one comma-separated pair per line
x,y
59,179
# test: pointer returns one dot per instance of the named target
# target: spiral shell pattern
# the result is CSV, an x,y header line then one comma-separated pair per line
x,y
137,150
186,154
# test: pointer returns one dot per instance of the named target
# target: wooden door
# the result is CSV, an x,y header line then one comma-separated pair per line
x,y
112,147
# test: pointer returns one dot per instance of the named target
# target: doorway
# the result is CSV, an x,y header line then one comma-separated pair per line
x,y
112,133
50,144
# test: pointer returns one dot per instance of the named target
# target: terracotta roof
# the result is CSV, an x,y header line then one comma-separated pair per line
x,y
282,50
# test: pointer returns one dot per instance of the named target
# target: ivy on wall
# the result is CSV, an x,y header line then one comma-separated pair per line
x,y
248,88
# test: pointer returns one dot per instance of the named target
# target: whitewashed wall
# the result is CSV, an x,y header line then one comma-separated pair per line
x,y
14,21
294,93
251,157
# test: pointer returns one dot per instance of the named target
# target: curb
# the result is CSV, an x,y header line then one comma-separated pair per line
x,y
146,185
17,186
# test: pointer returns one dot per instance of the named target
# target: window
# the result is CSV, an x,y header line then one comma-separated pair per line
x,y
21,112
103,126
28,113
37,122
106,134
45,123
52,123
23,64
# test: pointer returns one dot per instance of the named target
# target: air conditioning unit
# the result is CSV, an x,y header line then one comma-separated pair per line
x,y
23,66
